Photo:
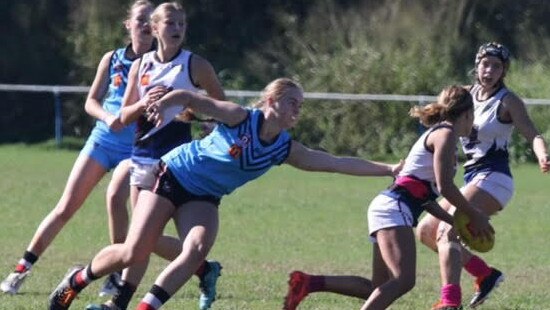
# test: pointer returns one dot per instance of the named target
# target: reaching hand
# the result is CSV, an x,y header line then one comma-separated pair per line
x,y
114,123
395,169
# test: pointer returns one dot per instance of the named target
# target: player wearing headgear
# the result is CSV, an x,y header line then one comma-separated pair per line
x,y
488,180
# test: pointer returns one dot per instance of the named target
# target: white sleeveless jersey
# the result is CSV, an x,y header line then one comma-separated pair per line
x,y
420,160
487,144
174,73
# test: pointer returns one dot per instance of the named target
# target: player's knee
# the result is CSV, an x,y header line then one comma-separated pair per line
x,y
63,212
116,198
200,249
406,284
426,233
446,238
401,285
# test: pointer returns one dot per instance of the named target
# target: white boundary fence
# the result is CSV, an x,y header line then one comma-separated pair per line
x,y
57,90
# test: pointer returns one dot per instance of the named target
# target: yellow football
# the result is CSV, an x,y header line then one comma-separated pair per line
x,y
461,221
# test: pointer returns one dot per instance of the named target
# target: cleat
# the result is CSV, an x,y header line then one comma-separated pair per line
x,y
112,285
63,295
13,282
208,285
298,285
485,286
105,306
441,306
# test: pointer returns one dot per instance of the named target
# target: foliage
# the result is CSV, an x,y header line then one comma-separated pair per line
x,y
380,49
352,46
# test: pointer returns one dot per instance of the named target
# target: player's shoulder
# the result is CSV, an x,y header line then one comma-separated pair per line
x,y
511,98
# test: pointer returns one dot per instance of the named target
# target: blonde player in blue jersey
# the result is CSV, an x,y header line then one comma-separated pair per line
x,y
428,171
108,145
488,180
193,178
153,75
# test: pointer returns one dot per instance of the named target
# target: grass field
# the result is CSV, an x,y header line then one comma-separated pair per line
x,y
284,221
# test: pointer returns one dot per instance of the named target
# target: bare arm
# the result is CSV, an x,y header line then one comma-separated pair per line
x,y
443,141
97,92
520,118
223,111
204,75
131,107
307,159
436,210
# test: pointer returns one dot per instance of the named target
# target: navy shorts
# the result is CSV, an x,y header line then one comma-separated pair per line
x,y
168,187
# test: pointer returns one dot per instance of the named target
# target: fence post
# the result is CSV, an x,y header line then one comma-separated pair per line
x,y
58,118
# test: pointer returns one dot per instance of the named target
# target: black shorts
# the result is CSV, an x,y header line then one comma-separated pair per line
x,y
167,186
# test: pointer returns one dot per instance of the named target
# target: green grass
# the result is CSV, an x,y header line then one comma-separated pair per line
x,y
284,221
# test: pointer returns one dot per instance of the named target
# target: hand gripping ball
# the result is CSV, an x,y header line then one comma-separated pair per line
x,y
479,244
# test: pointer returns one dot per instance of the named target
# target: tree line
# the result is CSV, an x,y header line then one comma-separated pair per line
x,y
352,46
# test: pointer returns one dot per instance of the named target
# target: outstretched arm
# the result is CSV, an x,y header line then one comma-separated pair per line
x,y
223,111
307,159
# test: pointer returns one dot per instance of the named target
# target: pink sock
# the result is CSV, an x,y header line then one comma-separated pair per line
x,y
477,267
451,295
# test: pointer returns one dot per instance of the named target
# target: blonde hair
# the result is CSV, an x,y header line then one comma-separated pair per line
x,y
451,103
276,89
164,8
137,4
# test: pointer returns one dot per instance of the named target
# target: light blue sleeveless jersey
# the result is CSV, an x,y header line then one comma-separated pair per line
x,y
227,158
118,72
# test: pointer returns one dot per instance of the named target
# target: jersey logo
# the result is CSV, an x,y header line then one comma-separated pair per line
x,y
117,80
145,80
472,138
236,149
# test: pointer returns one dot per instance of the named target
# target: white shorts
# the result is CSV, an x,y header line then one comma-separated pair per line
x,y
387,212
143,175
499,185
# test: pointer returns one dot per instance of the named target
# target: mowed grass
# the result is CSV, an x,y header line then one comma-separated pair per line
x,y
286,220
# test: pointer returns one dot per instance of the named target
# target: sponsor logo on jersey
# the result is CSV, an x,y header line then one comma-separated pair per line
x,y
237,148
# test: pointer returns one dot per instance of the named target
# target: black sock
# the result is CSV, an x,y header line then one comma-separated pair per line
x,y
30,257
26,262
125,293
158,293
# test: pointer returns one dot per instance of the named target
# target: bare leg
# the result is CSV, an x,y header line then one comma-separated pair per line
x,y
148,221
166,247
427,229
398,251
452,255
198,222
449,250
353,286
117,196
84,176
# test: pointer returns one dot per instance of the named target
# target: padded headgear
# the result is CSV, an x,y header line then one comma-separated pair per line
x,y
493,49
